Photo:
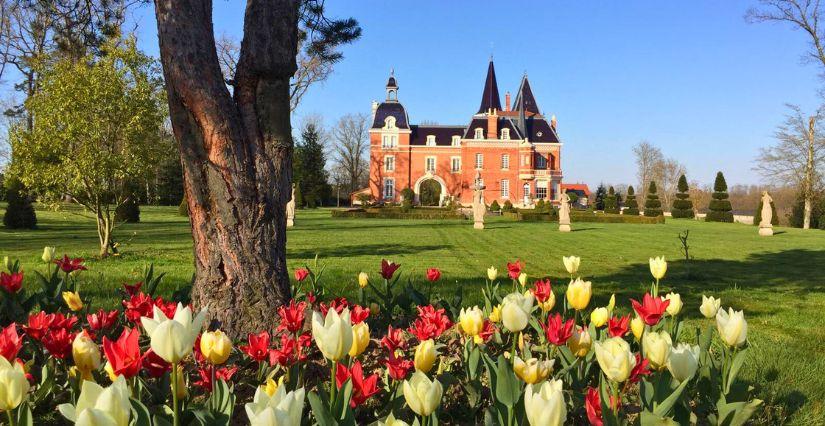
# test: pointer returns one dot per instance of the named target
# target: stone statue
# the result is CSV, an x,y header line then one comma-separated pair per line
x,y
290,210
564,213
765,226
479,207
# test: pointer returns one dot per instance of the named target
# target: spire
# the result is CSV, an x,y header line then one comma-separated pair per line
x,y
525,99
489,98
392,87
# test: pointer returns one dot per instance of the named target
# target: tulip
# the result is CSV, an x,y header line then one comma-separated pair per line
x,y
544,405
579,342
422,394
492,272
578,294
515,311
333,333
612,303
548,303
532,371
651,309
388,268
180,378
10,342
86,355
637,326
123,354
615,359
48,254
522,279
301,274
215,346
514,269
271,386
599,317
571,263
495,315
556,330
618,326
732,327
657,349
13,384
392,421
433,274
110,371
683,361
675,305
360,339
425,355
710,306
471,321
173,339
97,405
281,409
363,279
658,267
73,301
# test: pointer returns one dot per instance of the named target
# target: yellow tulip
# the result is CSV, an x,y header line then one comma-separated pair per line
x,y
522,279
110,371
637,326
732,327
571,263
425,355
363,279
271,386
579,342
332,334
73,301
515,311
48,254
172,339
710,306
599,317
86,355
281,408
532,371
471,321
360,339
657,349
215,347
548,304
495,316
675,305
658,267
683,361
612,303
615,358
97,405
13,385
578,294
422,394
492,272
392,421
544,405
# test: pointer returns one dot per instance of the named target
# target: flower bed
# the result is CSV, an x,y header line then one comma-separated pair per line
x,y
397,353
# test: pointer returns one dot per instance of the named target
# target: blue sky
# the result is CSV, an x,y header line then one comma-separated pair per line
x,y
693,78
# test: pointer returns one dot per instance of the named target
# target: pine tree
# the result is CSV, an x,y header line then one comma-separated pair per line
x,y
719,207
653,207
299,197
631,203
19,211
601,192
312,164
682,205
611,205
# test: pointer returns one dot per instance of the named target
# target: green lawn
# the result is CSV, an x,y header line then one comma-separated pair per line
x,y
778,281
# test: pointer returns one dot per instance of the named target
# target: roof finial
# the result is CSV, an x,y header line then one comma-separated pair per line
x,y
492,48
392,71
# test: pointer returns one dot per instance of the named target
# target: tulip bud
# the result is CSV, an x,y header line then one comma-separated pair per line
x,y
522,279
182,392
599,317
422,395
571,263
7,263
48,254
683,361
637,326
425,355
532,371
579,342
658,267
363,279
492,272
515,311
732,327
675,305
471,321
271,386
73,301
615,359
360,339
657,349
544,405
612,303
375,308
495,315
86,354
578,294
215,347
710,306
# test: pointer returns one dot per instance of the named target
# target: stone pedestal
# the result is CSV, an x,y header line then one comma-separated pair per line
x,y
564,227
766,231
290,222
478,225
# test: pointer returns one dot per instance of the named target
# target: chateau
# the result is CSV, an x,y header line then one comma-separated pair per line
x,y
516,151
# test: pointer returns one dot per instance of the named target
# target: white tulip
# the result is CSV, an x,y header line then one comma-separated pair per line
x,y
733,329
13,384
281,409
571,263
544,405
172,339
658,267
615,358
100,406
675,305
683,361
710,306
333,333
422,394
515,311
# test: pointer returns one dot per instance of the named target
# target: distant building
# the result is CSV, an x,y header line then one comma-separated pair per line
x,y
581,190
516,150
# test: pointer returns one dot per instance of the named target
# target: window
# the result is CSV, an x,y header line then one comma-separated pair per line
x,y
389,122
525,160
389,188
430,140
505,134
479,160
429,164
389,163
541,162
505,189
455,164
456,140
479,134
505,161
389,141
526,190
541,193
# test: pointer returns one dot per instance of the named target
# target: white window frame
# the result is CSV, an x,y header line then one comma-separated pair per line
x,y
430,140
479,133
505,161
389,188
539,157
505,134
479,161
540,189
456,140
505,188
389,141
389,122
526,191
389,163
453,161
427,160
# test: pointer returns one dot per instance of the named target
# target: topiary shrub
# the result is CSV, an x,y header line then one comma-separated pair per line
x,y
611,204
682,205
719,209
508,206
128,212
541,206
631,203
19,212
183,208
494,207
653,207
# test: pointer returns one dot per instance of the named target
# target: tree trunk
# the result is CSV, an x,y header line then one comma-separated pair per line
x,y
236,155
808,179
104,233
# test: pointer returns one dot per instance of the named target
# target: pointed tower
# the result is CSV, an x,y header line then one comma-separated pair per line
x,y
525,100
392,88
489,98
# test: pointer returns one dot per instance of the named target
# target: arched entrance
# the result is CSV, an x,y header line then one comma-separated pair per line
x,y
429,193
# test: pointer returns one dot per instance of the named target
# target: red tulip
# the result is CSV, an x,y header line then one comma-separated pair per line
x,y
154,364
558,331
311,298
398,367
358,314
11,282
291,351
133,289
433,275
487,331
618,326
58,321
394,339
102,320
430,323
139,305
70,265
38,325
59,342
339,303
292,316
168,308
301,274
641,369
593,406
258,347
362,388
388,269
542,290
124,353
514,269
651,309
10,342
224,373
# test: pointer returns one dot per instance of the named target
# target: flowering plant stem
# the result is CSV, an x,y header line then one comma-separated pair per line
x,y
332,387
11,417
175,420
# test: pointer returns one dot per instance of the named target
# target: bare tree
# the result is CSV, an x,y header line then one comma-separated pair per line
x,y
803,15
351,136
666,173
229,49
647,158
798,157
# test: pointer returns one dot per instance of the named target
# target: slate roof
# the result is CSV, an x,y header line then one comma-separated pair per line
x,y
386,109
538,130
503,123
443,134
525,98
489,97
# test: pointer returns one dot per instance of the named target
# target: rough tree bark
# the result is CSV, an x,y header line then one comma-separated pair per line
x,y
236,154
808,182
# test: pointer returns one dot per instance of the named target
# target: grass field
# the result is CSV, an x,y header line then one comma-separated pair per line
x,y
778,281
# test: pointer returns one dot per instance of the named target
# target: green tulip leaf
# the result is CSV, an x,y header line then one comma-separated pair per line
x,y
24,415
508,388
319,410
140,414
738,361
651,419
664,408
735,413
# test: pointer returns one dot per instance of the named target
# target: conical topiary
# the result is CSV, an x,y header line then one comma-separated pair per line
x,y
631,203
19,211
611,205
719,209
682,205
183,208
653,207
494,206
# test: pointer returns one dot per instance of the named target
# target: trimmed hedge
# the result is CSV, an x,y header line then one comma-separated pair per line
x,y
682,207
719,207
19,212
397,214
611,204
653,207
590,217
632,207
494,207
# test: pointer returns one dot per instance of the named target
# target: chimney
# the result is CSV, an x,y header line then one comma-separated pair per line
x,y
492,125
553,122
374,108
507,101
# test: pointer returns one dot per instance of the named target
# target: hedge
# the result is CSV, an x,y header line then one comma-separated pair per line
x,y
590,217
396,214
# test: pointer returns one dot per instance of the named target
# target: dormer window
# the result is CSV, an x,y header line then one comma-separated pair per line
x,y
505,134
456,140
389,122
430,140
479,133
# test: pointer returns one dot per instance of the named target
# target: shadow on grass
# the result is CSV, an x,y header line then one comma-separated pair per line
x,y
362,250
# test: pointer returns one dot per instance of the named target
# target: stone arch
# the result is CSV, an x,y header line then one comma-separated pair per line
x,y
430,176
